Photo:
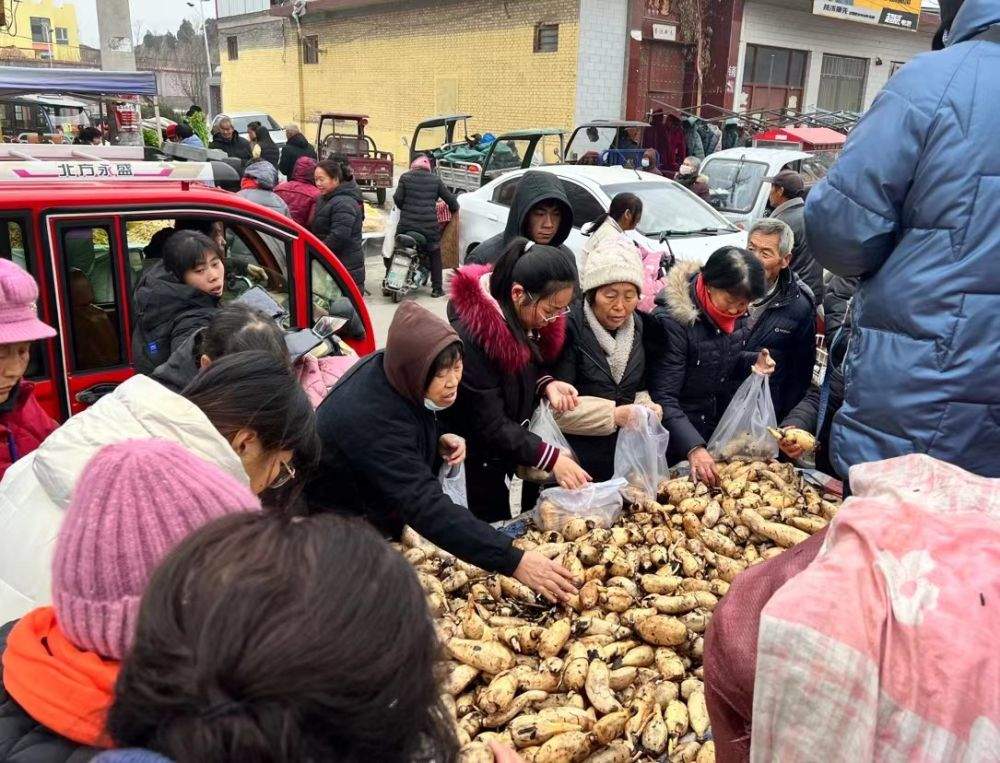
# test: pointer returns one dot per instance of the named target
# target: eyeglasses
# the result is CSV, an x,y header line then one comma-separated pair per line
x,y
286,476
545,317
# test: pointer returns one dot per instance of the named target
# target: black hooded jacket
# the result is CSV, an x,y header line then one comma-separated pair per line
x,y
534,187
339,220
380,448
236,147
168,312
416,197
296,147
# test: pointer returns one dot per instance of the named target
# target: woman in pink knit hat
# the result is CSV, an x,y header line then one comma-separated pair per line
x,y
134,503
23,423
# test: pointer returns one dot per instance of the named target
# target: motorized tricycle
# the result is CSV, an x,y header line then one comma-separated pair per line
x,y
344,135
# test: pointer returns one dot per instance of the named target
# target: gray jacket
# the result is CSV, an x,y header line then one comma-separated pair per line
x,y
792,213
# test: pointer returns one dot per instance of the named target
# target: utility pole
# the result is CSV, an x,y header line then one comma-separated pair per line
x,y
208,52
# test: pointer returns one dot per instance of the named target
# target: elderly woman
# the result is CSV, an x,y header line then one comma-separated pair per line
x,y
603,356
698,349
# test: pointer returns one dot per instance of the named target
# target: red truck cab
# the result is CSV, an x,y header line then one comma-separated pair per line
x,y
80,228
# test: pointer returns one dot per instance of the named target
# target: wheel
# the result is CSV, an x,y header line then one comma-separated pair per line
x,y
380,196
397,296
386,292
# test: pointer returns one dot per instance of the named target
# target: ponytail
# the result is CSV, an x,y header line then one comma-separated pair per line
x,y
620,204
540,270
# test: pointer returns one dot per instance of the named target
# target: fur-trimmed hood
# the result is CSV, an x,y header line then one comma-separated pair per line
x,y
678,295
484,322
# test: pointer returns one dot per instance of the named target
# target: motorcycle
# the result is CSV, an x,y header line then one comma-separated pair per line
x,y
409,266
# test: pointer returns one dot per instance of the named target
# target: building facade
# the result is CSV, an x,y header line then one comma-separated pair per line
x,y
43,31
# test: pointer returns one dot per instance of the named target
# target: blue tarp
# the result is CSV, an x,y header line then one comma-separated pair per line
x,y
24,81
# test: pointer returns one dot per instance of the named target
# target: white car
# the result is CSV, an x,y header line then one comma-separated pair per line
x,y
244,118
673,218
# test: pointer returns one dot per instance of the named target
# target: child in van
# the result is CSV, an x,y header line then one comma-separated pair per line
x,y
23,423
181,301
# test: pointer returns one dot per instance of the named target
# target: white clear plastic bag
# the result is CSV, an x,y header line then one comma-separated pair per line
x,y
543,424
452,480
598,501
742,430
641,451
391,225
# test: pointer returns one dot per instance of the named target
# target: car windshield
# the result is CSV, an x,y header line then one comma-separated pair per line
x,y
670,207
240,123
734,183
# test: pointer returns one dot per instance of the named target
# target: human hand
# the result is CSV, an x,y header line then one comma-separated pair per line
x,y
765,364
790,447
257,273
451,448
656,409
623,415
544,576
561,396
703,466
569,474
504,754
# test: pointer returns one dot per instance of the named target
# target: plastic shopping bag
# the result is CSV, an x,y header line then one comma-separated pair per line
x,y
391,225
543,424
742,430
641,451
452,480
600,502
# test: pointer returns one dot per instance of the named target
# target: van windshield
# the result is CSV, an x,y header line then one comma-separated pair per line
x,y
734,183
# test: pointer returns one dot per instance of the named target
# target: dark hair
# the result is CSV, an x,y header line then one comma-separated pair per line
x,y
257,390
237,327
735,270
184,130
260,134
263,639
87,135
337,168
185,250
445,359
541,270
620,204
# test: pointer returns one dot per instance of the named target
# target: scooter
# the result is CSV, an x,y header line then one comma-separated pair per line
x,y
409,266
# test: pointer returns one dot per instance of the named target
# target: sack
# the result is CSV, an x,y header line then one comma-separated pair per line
x,y
543,424
742,430
598,501
641,451
452,480
391,224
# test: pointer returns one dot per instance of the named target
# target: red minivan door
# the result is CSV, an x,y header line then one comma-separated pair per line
x,y
86,253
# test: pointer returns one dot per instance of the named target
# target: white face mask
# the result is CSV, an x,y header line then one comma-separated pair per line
x,y
430,405
645,162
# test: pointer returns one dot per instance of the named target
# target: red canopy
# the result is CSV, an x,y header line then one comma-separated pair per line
x,y
809,138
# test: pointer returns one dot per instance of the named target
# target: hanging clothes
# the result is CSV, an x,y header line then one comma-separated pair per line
x,y
716,137
730,134
707,139
676,145
655,137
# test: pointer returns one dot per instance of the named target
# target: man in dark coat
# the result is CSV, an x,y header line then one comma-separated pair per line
x,y
416,197
382,446
786,203
783,321
540,212
296,147
339,220
225,138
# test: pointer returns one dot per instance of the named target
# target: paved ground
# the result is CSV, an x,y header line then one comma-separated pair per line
x,y
382,308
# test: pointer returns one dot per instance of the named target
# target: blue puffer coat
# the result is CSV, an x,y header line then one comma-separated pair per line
x,y
913,207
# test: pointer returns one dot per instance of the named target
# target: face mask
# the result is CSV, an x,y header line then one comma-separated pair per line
x,y
430,405
645,162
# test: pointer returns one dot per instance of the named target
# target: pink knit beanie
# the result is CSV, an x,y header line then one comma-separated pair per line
x,y
19,306
132,504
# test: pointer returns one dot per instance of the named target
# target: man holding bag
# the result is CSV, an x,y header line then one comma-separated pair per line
x,y
381,447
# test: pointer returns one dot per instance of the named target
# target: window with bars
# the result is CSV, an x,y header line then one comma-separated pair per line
x,y
62,35
232,48
775,67
310,49
546,38
842,83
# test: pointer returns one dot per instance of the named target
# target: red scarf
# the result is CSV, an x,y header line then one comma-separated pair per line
x,y
248,183
726,323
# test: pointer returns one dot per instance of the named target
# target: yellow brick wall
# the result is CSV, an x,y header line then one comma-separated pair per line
x,y
409,63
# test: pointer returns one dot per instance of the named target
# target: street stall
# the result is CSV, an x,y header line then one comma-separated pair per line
x,y
118,95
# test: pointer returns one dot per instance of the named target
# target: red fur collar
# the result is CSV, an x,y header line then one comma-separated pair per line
x,y
482,318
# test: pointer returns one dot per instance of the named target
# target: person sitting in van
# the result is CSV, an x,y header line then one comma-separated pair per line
x,y
95,340
23,422
180,301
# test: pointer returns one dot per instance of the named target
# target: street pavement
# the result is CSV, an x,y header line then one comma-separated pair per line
x,y
382,309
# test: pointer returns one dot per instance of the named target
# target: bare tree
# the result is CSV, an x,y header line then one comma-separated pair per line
x,y
696,24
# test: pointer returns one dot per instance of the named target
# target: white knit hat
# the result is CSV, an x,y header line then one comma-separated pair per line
x,y
615,260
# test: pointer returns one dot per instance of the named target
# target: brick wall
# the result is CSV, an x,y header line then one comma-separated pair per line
x,y
601,63
790,24
403,63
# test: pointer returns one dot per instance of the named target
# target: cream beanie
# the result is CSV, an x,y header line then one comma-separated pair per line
x,y
615,260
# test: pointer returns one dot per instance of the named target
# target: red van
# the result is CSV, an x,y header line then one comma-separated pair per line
x,y
79,227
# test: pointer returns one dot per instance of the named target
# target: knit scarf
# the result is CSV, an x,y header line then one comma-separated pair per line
x,y
617,348
726,323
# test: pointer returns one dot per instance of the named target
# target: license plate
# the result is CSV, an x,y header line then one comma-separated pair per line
x,y
396,278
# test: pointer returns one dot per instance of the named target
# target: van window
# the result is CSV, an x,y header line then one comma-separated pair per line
x,y
90,285
324,288
14,247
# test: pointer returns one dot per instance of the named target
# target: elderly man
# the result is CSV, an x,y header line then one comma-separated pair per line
x,y
225,138
786,202
783,321
296,147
